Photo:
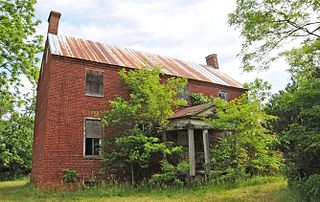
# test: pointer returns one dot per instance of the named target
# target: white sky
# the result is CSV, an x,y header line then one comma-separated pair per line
x,y
185,29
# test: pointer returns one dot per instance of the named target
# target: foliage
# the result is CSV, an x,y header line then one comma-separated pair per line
x,y
135,149
151,101
130,156
70,175
170,174
269,25
246,146
255,189
19,47
312,187
16,135
199,98
298,126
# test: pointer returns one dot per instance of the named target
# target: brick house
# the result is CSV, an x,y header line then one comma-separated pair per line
x,y
78,77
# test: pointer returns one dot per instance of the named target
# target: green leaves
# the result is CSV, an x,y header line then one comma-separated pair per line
x,y
268,25
247,144
151,103
16,133
137,123
18,49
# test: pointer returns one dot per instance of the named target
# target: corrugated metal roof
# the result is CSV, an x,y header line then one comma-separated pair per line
x,y
191,111
111,54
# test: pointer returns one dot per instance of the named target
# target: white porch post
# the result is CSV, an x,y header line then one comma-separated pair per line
x,y
192,159
206,150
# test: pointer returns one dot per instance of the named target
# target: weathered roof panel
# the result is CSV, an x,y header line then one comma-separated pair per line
x,y
110,54
191,111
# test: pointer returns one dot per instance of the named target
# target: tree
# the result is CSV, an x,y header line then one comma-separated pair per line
x,y
136,123
151,102
18,49
298,109
246,145
16,135
133,154
269,25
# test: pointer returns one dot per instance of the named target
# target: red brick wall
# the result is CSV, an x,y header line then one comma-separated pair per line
x,y
61,109
214,89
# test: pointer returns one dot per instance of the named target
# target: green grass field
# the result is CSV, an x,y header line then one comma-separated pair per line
x,y
256,189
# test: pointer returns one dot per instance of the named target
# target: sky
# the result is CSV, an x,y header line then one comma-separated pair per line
x,y
184,29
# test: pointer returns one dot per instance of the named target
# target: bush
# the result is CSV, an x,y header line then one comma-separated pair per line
x,y
312,187
70,175
199,98
170,175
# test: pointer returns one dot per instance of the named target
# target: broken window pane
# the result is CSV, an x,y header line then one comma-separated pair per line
x,y
223,95
93,136
88,149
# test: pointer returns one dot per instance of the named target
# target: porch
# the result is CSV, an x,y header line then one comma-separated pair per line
x,y
188,129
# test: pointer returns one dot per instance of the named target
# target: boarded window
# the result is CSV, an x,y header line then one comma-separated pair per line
x,y
94,83
223,95
93,136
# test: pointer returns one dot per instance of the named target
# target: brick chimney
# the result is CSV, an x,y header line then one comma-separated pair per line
x,y
53,21
212,60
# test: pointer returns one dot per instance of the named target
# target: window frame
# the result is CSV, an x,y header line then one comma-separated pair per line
x,y
226,95
85,83
84,139
186,94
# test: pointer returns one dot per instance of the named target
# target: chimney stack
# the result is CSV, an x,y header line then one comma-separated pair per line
x,y
212,60
53,21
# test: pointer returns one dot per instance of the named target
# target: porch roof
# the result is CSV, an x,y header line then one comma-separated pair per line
x,y
191,111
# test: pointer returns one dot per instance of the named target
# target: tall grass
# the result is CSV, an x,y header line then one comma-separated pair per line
x,y
255,189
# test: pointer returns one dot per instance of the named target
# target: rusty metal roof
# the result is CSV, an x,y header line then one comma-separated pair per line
x,y
111,54
191,111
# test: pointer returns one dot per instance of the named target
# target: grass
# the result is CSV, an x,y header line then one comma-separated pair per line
x,y
256,189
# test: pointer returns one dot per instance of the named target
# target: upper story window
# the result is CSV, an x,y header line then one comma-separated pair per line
x,y
93,137
94,83
223,95
186,93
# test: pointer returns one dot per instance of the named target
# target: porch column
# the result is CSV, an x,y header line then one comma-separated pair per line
x,y
164,136
192,159
206,150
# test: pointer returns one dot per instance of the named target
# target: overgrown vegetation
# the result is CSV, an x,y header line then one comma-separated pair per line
x,y
137,124
70,175
255,189
199,98
297,107
247,147
18,48
298,126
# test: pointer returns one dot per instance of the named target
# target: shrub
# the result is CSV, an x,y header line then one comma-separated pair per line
x,y
70,175
312,187
199,98
170,175
135,156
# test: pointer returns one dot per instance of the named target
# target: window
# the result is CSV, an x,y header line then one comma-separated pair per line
x,y
223,95
94,83
93,136
186,93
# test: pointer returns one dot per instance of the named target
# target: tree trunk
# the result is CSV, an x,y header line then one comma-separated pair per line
x,y
132,176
